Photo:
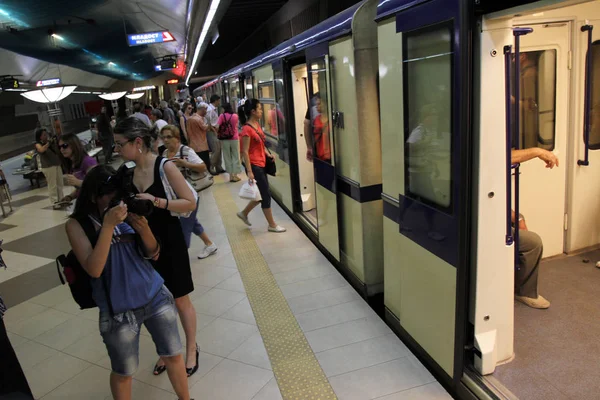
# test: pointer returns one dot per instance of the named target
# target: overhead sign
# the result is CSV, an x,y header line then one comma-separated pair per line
x,y
139,39
168,64
9,83
172,81
48,82
142,88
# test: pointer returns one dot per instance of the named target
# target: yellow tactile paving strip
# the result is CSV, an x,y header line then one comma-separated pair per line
x,y
294,364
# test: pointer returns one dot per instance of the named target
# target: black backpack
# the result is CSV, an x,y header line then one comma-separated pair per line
x,y
80,282
225,129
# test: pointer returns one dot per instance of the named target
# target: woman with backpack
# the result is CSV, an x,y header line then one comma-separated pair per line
x,y
115,249
186,158
228,134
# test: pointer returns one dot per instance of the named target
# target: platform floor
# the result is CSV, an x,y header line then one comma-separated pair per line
x,y
321,329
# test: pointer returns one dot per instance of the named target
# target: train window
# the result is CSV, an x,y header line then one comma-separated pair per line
x,y
595,99
319,113
266,95
234,93
538,99
427,61
277,119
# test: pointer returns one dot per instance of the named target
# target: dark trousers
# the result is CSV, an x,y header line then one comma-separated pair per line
x,y
107,147
530,254
13,384
205,157
260,176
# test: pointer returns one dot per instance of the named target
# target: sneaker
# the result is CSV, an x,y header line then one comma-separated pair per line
x,y
540,302
241,216
208,251
277,229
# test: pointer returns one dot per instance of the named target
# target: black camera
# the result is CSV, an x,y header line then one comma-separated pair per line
x,y
123,181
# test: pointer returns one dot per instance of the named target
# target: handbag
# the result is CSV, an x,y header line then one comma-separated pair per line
x,y
198,181
170,192
270,166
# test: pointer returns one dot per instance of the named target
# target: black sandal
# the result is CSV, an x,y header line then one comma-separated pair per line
x,y
159,369
192,371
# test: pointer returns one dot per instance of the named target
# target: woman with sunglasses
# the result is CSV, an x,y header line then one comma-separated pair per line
x,y
186,158
133,142
76,163
127,289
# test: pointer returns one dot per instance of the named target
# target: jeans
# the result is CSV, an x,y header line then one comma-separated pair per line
x,y
122,338
231,154
191,225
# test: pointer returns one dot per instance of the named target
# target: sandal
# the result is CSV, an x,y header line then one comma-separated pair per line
x,y
159,369
192,371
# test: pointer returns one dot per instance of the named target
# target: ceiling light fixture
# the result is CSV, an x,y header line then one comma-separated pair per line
x,y
49,95
112,96
212,10
55,36
134,96
142,88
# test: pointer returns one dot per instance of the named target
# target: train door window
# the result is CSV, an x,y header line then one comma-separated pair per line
x,y
266,95
319,113
234,93
538,99
278,121
249,87
427,59
595,99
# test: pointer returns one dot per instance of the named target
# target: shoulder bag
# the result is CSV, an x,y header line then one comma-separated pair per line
x,y
198,181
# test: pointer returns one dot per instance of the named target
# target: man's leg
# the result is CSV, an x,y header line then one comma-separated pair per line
x,y
526,276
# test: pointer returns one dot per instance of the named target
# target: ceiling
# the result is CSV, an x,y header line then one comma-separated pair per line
x,y
92,33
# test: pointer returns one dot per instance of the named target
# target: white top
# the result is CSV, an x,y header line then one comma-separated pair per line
x,y
188,154
212,117
160,123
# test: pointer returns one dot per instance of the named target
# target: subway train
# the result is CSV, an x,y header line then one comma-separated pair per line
x,y
393,124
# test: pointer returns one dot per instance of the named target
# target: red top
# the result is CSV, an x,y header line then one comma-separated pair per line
x,y
256,151
321,132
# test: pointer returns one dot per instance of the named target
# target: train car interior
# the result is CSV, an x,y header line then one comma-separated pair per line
x,y
547,353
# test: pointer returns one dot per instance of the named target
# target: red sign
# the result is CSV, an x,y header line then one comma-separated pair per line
x,y
172,81
167,37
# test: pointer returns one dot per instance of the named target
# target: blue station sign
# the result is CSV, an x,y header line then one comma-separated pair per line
x,y
139,39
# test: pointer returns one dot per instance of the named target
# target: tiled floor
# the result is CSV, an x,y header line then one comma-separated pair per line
x,y
63,355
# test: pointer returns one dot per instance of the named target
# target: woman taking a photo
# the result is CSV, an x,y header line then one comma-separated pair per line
x,y
255,155
231,146
125,286
75,161
186,158
133,142
51,165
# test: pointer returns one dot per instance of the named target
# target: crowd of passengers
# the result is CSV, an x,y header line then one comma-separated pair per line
x,y
140,266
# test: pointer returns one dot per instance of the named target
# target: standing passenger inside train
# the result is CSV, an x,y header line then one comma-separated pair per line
x,y
212,120
255,153
229,137
125,286
530,244
152,180
197,130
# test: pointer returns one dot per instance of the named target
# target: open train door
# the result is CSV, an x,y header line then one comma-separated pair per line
x,y
323,153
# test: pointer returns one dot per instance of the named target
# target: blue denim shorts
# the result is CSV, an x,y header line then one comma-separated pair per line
x,y
122,339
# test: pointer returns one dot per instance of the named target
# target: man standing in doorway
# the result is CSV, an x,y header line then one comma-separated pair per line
x,y
212,118
530,246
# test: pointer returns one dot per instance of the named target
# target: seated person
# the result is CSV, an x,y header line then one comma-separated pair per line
x,y
530,245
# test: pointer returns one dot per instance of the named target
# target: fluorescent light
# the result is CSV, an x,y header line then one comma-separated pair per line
x,y
112,96
49,95
142,88
15,90
134,96
76,92
55,36
214,5
111,63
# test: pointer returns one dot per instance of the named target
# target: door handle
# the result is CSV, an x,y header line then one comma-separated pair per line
x,y
588,97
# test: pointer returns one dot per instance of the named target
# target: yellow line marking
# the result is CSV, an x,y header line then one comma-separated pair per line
x,y
294,364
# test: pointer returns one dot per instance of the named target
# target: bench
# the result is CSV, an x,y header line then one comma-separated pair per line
x,y
95,152
30,174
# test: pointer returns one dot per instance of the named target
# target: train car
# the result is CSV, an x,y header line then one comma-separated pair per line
x,y
396,125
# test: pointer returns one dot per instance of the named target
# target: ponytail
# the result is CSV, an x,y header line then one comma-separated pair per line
x,y
242,115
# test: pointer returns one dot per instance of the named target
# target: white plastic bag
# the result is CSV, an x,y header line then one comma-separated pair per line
x,y
250,191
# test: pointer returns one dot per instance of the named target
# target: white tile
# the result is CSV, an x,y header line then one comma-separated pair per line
x,y
216,301
211,275
20,262
269,392
53,296
252,352
32,353
71,307
141,390
199,290
16,340
361,355
67,333
90,348
311,286
297,257
241,312
231,380
91,384
431,391
206,362
40,323
22,312
346,333
333,315
233,283
147,355
328,298
304,273
49,374
222,336
380,380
